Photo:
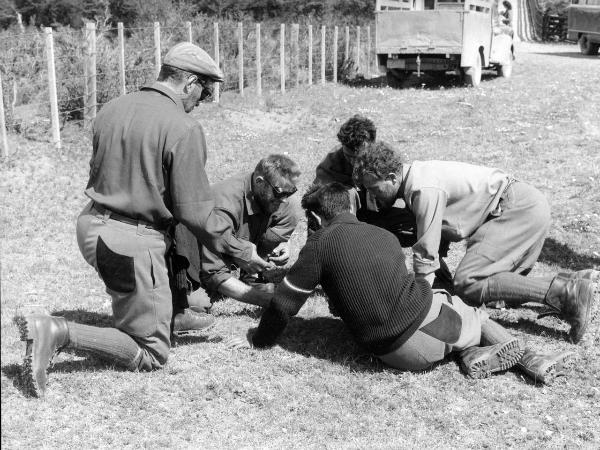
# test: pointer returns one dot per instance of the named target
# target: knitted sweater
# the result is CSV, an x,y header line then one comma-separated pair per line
x,y
362,270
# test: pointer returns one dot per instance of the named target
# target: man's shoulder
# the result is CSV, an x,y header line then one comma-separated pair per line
x,y
333,158
231,192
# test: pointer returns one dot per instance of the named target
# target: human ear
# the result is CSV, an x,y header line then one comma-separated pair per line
x,y
391,177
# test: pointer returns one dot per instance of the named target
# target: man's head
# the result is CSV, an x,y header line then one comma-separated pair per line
x,y
354,134
273,181
191,72
378,168
323,202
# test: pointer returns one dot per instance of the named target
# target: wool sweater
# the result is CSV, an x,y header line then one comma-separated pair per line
x,y
362,270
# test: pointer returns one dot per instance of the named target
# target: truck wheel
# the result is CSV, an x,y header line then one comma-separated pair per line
x,y
472,75
505,70
395,78
587,47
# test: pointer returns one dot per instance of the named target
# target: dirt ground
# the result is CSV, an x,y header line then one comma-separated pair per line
x,y
317,389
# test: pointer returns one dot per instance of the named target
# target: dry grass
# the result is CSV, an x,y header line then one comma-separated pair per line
x,y
317,389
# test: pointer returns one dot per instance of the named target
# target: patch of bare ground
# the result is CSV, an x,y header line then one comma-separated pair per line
x,y
317,389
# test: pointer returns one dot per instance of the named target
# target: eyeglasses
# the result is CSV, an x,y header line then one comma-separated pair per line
x,y
278,191
207,92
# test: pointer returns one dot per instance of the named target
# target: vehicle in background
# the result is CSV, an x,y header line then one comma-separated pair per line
x,y
437,36
583,25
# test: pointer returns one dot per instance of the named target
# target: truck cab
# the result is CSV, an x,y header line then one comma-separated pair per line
x,y
441,35
583,25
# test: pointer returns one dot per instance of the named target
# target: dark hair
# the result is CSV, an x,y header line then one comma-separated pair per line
x,y
507,4
327,200
279,165
377,158
356,131
168,72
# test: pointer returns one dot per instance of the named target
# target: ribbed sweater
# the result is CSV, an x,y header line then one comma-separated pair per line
x,y
362,270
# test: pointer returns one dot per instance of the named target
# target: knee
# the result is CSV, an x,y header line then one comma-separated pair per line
x,y
469,290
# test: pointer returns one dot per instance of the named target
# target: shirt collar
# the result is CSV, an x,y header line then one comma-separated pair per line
x,y
252,206
345,217
164,90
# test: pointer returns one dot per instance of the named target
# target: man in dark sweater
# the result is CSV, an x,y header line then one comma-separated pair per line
x,y
362,270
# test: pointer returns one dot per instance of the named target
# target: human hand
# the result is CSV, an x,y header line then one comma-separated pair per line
x,y
256,263
239,342
280,254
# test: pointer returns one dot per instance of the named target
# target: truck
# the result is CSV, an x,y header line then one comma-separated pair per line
x,y
583,25
438,36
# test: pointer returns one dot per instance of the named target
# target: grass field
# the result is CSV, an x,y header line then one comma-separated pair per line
x,y
317,389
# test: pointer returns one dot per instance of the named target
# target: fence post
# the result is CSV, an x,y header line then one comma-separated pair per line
x,y
323,54
369,51
188,25
357,49
347,47
217,58
241,58
258,62
310,54
122,57
4,149
90,99
335,53
156,48
296,51
282,57
52,86
20,22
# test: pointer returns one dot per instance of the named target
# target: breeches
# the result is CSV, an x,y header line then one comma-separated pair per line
x,y
450,325
511,242
130,259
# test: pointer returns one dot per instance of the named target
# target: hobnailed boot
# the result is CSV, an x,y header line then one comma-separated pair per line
x,y
543,367
481,362
570,298
45,336
191,322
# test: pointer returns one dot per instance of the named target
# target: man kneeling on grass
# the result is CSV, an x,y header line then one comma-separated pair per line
x,y
362,270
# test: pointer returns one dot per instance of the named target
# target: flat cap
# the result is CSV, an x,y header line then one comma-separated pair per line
x,y
190,57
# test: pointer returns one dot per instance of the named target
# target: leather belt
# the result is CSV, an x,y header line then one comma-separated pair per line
x,y
124,219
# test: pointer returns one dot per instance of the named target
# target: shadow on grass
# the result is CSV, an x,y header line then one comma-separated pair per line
x,y
85,317
532,327
560,254
328,338
576,55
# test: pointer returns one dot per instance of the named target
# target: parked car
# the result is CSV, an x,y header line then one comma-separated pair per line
x,y
438,36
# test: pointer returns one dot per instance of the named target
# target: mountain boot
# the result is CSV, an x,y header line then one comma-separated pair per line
x,y
481,362
45,336
189,322
543,367
570,298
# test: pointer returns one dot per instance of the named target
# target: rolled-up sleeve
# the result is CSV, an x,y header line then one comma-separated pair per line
x,y
428,206
192,198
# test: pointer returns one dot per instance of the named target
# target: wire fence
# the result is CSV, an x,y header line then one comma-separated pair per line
x,y
51,78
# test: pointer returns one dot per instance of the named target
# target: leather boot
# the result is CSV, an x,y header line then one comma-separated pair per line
x,y
481,362
45,336
543,367
191,322
571,298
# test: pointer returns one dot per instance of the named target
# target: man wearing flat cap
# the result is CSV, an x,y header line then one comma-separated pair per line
x,y
146,174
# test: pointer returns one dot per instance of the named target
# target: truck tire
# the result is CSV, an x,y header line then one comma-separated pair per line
x,y
587,47
472,75
395,78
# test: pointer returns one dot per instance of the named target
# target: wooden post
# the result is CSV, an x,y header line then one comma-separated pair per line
x,y
310,54
241,58
188,25
258,62
157,48
323,54
357,49
52,85
282,57
368,71
335,54
122,57
347,48
20,22
90,100
217,58
296,52
4,149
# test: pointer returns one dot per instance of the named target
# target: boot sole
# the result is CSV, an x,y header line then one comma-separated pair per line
x,y
547,373
28,380
506,357
195,332
588,291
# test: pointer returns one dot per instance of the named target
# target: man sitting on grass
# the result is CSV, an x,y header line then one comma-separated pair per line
x,y
258,207
396,316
